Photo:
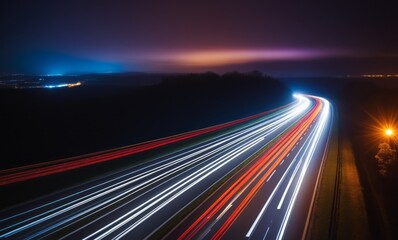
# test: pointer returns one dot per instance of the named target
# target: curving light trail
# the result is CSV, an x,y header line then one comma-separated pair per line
x,y
135,202
29,172
275,179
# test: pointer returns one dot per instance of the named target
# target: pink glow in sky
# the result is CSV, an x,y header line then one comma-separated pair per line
x,y
214,58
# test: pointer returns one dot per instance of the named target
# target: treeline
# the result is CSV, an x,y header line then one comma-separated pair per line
x,y
46,124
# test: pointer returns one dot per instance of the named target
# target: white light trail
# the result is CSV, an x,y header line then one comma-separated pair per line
x,y
190,180
261,213
62,212
308,150
320,129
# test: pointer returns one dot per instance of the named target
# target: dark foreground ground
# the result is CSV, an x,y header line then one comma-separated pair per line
x,y
366,110
366,107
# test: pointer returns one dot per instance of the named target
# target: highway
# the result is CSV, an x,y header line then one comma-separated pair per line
x,y
284,151
270,198
24,173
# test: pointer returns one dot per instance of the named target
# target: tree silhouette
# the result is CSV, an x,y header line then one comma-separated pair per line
x,y
385,158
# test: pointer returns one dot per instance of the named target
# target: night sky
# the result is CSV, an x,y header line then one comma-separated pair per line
x,y
279,38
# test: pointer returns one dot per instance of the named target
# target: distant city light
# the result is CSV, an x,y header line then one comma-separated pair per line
x,y
374,76
64,85
380,75
55,86
54,75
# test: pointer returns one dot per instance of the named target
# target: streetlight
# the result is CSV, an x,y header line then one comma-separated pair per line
x,y
389,132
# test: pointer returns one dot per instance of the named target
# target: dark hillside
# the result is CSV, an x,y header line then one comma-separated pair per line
x,y
47,124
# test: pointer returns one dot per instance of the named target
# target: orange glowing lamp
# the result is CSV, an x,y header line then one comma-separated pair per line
x,y
389,132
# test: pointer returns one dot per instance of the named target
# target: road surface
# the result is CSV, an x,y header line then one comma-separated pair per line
x,y
270,198
259,201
